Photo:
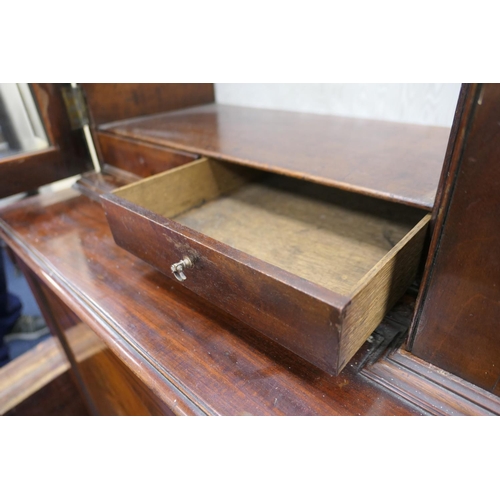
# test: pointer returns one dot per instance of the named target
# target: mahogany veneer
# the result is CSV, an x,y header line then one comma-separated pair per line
x,y
458,314
387,160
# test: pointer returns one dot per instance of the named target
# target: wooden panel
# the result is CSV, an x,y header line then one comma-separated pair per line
x,y
430,387
116,390
379,290
47,362
28,171
66,156
110,386
140,158
58,398
28,373
457,323
107,386
198,359
188,186
387,160
39,366
109,102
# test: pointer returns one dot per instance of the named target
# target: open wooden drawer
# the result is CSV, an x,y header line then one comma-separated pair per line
x,y
310,266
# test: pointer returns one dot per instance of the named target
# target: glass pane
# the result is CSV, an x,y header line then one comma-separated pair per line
x,y
21,129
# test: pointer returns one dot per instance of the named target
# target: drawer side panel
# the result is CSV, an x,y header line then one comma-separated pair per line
x,y
380,290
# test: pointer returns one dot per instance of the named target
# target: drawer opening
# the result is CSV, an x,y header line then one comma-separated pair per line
x,y
327,236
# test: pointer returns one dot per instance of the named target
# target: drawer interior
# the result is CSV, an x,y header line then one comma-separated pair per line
x,y
330,237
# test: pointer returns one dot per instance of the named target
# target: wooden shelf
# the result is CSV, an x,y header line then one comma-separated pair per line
x,y
392,161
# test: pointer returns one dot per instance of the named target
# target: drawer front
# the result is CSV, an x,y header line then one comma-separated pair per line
x,y
245,287
139,158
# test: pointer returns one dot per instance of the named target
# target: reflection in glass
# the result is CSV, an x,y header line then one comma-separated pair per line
x,y
21,129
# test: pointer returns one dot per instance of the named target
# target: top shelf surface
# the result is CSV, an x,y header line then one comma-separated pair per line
x,y
393,161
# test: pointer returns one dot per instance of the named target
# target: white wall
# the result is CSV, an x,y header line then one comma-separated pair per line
x,y
422,103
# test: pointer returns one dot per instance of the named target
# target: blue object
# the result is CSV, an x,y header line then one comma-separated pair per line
x,y
10,310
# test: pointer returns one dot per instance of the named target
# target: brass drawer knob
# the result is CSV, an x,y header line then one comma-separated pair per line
x,y
178,268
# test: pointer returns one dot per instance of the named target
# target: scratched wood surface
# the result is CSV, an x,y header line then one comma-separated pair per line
x,y
200,360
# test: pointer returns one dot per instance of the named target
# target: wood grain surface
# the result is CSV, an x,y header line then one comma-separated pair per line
x,y
380,288
39,366
107,387
139,158
172,193
59,398
108,102
28,373
293,311
459,311
184,350
387,160
430,387
317,233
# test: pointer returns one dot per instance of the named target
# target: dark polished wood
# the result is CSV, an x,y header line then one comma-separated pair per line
x,y
190,355
58,398
105,384
430,387
110,102
140,158
60,321
387,160
66,156
457,132
116,391
30,372
456,325
28,171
